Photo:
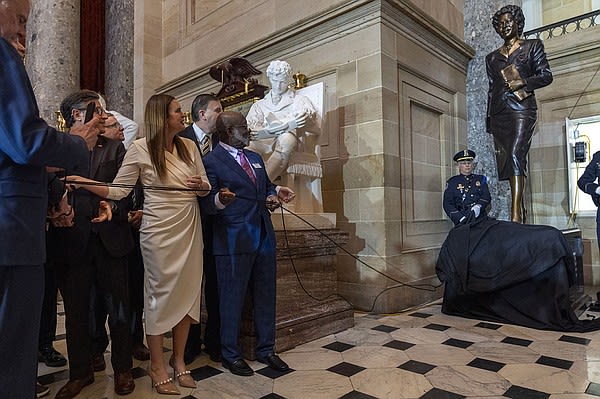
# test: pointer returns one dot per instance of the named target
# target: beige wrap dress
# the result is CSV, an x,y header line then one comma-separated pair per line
x,y
170,235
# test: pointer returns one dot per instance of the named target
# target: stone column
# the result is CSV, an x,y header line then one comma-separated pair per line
x,y
480,35
53,53
119,56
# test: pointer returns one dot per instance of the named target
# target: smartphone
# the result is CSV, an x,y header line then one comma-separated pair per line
x,y
90,110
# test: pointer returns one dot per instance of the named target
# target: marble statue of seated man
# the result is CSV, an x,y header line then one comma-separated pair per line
x,y
285,129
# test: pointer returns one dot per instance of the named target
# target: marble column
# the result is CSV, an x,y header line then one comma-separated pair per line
x,y
53,53
119,56
480,35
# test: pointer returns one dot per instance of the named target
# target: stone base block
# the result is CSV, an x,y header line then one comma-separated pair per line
x,y
308,307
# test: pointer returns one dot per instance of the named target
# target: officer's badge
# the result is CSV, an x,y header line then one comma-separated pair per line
x,y
460,187
478,183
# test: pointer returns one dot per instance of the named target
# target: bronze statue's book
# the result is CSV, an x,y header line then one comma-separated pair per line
x,y
512,73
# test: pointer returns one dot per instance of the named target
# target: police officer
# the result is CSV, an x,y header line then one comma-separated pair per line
x,y
467,195
588,183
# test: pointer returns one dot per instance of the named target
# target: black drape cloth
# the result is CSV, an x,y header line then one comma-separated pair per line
x,y
510,273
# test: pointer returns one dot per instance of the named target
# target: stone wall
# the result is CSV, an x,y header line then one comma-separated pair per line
x,y
575,92
395,108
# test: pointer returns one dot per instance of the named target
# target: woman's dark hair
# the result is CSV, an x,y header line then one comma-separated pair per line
x,y
517,14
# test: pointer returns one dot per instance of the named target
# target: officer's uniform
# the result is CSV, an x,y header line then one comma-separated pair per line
x,y
588,183
463,192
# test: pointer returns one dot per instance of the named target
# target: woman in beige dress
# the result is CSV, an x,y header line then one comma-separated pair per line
x,y
170,233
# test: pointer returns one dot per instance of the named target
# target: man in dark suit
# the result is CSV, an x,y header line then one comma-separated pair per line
x,y
205,110
243,240
27,146
92,258
588,183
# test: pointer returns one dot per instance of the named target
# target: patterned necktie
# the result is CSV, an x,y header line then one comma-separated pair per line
x,y
205,145
246,166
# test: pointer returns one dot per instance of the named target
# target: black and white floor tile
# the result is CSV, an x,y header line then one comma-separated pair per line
x,y
419,354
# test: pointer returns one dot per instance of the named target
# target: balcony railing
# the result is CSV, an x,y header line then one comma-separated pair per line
x,y
560,28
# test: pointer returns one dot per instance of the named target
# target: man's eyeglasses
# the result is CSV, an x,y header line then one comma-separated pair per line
x,y
116,124
241,127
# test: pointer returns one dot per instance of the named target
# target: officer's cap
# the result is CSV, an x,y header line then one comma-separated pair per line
x,y
464,155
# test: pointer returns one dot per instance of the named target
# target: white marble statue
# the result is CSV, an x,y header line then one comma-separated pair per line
x,y
285,126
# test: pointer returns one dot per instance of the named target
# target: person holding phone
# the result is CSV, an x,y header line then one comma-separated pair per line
x,y
170,232
91,262
27,146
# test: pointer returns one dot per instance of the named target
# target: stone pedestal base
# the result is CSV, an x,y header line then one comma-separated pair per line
x,y
303,315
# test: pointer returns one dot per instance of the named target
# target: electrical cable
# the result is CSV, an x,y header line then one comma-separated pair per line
x,y
422,287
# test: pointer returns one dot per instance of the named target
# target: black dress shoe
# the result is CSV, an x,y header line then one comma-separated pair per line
x,y
124,384
238,367
98,363
140,352
73,387
51,356
275,362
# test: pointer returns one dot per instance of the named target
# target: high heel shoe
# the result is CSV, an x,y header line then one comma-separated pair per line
x,y
166,387
183,378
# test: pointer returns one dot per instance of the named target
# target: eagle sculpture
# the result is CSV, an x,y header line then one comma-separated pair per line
x,y
238,85
234,74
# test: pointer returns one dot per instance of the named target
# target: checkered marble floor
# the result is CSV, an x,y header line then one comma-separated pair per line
x,y
418,354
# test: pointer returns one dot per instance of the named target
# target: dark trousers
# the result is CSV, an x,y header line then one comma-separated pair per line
x,y
212,333
97,274
598,226
21,296
135,267
136,289
48,322
236,273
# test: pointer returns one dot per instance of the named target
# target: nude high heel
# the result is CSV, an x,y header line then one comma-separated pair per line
x,y
166,387
183,378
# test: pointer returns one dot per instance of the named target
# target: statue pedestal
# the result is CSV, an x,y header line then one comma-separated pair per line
x,y
308,253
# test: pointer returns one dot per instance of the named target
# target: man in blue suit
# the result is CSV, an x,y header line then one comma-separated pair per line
x,y
27,146
243,240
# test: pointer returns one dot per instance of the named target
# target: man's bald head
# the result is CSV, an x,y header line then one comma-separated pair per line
x,y
233,129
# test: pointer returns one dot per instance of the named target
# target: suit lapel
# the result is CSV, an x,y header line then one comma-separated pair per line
x,y
188,132
96,157
232,163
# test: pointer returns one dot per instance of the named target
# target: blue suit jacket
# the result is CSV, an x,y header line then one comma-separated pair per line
x,y
237,228
27,145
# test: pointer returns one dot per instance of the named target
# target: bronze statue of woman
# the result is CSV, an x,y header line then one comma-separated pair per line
x,y
514,71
